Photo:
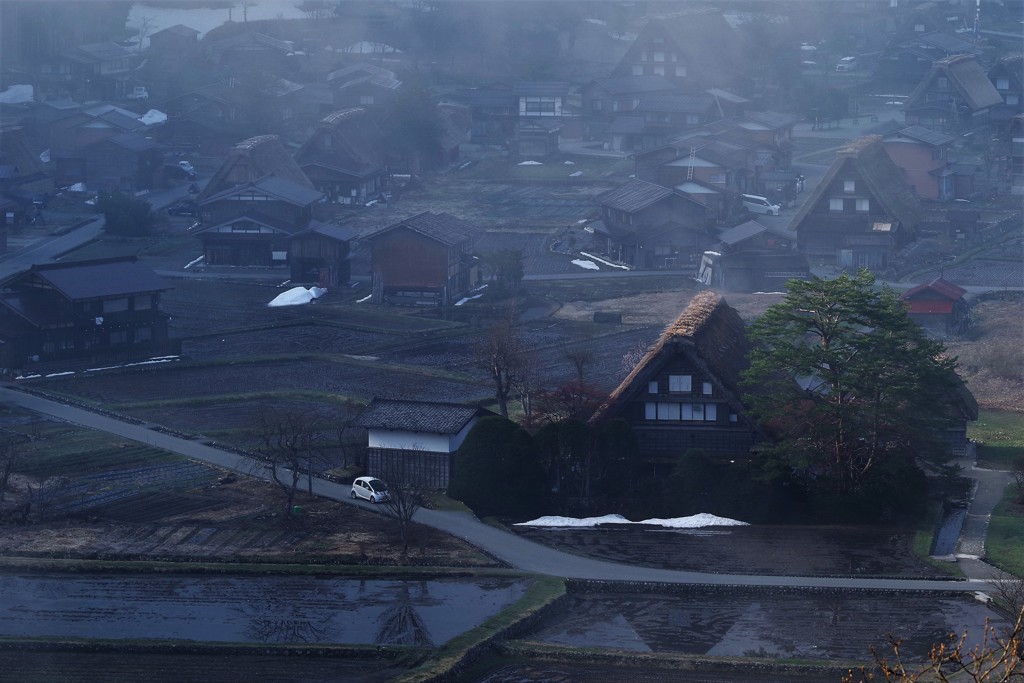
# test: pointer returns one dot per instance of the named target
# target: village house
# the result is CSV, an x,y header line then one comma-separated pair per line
x,y
939,307
344,157
494,112
909,58
248,51
320,255
861,213
953,96
922,155
127,162
686,47
204,121
650,226
751,258
424,260
1011,171
254,204
90,310
362,85
684,394
416,440
24,183
71,136
97,71
605,99
1007,76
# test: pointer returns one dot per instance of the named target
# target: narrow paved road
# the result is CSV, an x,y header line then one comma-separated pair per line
x,y
517,552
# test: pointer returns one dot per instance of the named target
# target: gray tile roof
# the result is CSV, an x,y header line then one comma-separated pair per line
x,y
443,227
634,195
417,416
101,278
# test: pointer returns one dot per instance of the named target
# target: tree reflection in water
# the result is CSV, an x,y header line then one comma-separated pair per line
x,y
276,621
401,624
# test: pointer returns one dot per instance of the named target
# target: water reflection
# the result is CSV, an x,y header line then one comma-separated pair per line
x,y
299,610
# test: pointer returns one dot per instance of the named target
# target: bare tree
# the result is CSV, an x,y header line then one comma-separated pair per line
x,y
632,357
290,443
996,659
526,385
1009,592
501,354
581,354
406,490
8,457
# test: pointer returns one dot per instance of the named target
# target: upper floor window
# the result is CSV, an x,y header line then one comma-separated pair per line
x,y
849,186
707,388
1012,99
652,387
1002,84
638,69
863,205
918,28
680,72
366,99
680,383
115,305
835,204
659,70
659,56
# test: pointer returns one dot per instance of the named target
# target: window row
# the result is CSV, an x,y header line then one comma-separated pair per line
x,y
679,384
838,204
693,412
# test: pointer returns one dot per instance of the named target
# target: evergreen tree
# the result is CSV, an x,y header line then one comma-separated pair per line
x,y
846,380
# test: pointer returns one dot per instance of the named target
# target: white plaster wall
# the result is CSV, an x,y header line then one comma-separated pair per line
x,y
380,438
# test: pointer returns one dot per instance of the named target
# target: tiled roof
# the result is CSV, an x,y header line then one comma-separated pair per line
x,y
938,285
417,416
634,195
443,227
631,85
741,232
966,77
100,278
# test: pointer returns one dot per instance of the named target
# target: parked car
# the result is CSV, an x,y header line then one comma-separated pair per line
x,y
847,64
371,489
758,204
183,209
186,166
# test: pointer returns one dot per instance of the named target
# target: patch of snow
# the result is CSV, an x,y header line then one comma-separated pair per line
x,y
153,117
365,298
17,94
61,374
44,156
194,262
599,22
602,261
556,521
297,296
577,174
567,162
697,521
77,187
468,298
349,355
529,163
34,375
589,265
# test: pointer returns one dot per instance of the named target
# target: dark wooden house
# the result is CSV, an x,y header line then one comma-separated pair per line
x,y
684,393
127,162
939,308
687,46
956,94
87,310
426,259
861,213
751,258
344,157
362,85
650,226
416,440
320,254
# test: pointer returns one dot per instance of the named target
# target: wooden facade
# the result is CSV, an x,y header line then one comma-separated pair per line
x,y
424,260
320,255
684,393
87,310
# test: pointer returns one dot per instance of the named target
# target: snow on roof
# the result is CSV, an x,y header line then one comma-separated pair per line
x,y
297,296
153,116
17,94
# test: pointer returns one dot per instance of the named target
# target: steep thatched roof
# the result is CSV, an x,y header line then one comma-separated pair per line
x,y
711,335
966,76
356,143
252,159
869,160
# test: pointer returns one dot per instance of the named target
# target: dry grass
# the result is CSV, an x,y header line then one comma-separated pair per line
x,y
993,361
661,308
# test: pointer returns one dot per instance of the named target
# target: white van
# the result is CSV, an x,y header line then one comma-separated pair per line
x,y
758,204
847,64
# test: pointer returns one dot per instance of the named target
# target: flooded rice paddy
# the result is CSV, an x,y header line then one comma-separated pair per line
x,y
790,624
268,609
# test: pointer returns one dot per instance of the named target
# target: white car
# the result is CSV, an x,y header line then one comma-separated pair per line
x,y
371,489
758,204
186,167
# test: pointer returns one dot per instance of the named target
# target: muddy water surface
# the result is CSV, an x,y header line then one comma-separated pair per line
x,y
250,609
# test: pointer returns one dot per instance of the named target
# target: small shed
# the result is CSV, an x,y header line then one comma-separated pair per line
x,y
416,440
939,308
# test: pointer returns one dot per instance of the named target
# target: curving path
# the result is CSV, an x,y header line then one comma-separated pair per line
x,y
517,552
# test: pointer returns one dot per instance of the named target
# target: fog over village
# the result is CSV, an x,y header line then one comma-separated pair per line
x,y
511,340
